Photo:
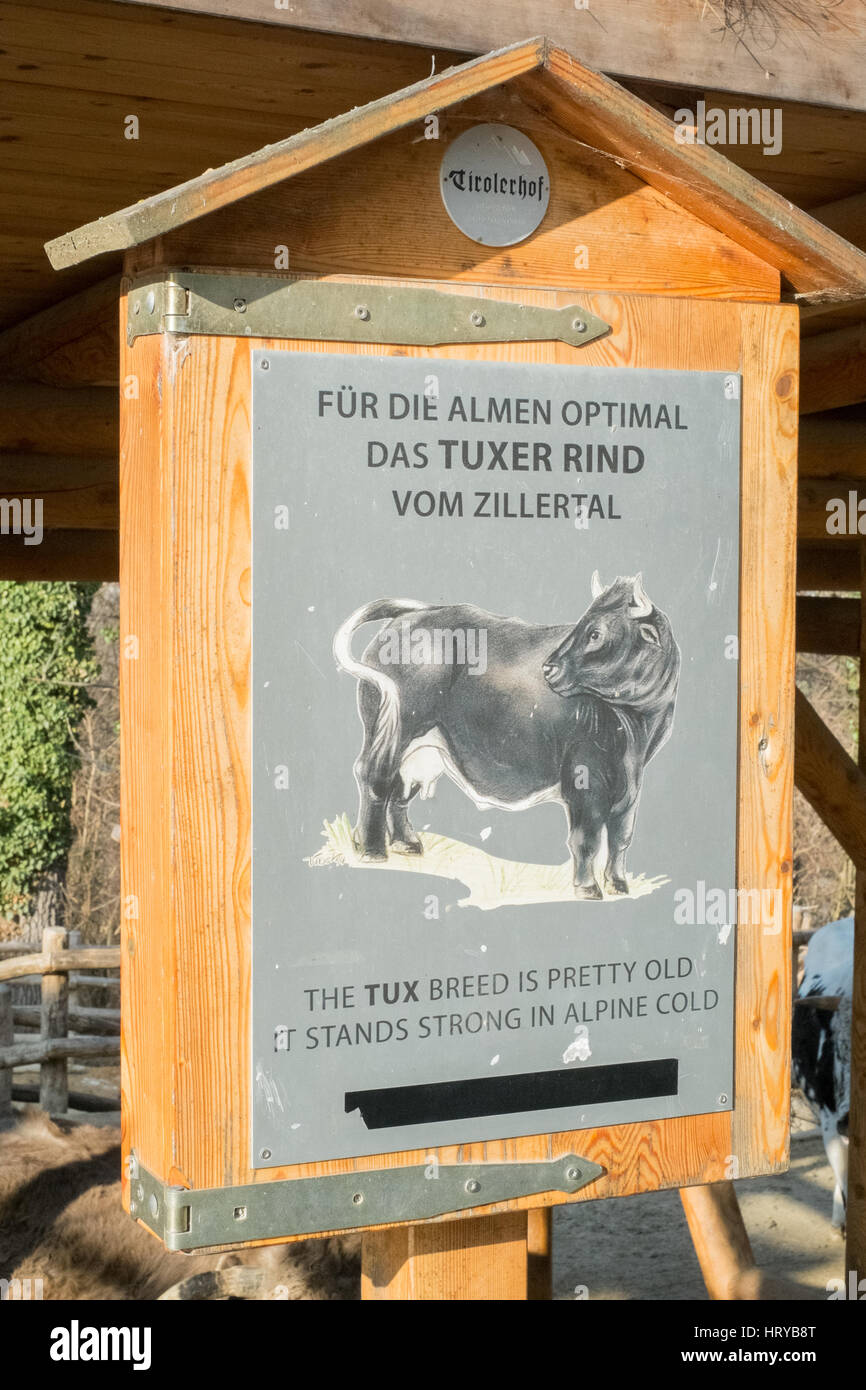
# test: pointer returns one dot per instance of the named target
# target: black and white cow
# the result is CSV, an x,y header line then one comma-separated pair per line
x,y
515,714
821,1044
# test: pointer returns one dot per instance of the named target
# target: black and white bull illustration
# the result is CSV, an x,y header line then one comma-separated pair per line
x,y
570,714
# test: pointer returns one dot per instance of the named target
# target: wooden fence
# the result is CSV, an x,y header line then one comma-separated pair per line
x,y
65,1028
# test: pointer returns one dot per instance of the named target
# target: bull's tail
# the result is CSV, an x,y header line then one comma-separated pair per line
x,y
386,734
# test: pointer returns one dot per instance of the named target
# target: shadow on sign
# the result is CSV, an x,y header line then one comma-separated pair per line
x,y
491,882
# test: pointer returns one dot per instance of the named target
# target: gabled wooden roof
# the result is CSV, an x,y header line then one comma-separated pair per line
x,y
816,263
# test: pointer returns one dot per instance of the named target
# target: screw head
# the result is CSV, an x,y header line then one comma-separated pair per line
x,y
723,1099
265,1153
239,306
150,301
362,312
572,1174
473,1185
264,365
357,1198
240,1213
136,306
153,1205
579,326
476,318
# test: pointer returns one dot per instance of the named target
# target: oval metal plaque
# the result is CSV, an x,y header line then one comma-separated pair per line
x,y
495,184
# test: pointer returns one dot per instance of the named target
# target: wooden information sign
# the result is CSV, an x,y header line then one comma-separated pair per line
x,y
403,511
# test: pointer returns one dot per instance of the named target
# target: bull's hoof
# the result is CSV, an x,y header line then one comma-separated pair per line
x,y
618,886
374,856
589,892
407,847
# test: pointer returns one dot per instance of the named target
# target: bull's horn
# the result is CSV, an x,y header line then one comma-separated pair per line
x,y
596,585
640,606
829,1003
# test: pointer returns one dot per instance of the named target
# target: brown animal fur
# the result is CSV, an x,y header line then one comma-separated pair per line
x,y
61,1221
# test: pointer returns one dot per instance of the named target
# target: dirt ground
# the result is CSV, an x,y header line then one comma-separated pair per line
x,y
639,1248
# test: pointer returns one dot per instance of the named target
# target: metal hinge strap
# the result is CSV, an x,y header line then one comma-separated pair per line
x,y
258,306
197,1218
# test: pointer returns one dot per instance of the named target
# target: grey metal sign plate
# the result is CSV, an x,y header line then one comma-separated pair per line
x,y
494,796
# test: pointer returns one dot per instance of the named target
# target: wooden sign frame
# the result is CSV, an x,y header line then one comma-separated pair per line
x,y
185,730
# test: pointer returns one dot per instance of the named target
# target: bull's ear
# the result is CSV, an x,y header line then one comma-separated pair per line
x,y
596,585
650,634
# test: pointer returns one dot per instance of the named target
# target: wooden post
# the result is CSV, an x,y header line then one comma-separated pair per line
x,y
481,1259
856,1206
74,940
7,1037
539,1253
724,1251
53,1081
719,1236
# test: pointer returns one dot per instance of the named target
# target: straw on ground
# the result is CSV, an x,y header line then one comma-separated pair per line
x,y
491,882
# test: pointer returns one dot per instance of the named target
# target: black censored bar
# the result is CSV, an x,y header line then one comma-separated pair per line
x,y
506,1095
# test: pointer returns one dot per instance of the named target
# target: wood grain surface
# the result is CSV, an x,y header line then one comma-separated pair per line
x,y
185,566
584,104
661,39
483,1259
605,227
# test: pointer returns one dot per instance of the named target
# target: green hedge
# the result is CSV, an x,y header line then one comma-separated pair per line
x,y
46,660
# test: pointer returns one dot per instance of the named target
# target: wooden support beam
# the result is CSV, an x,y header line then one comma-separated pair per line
x,y
73,343
480,1259
832,446
828,626
818,510
846,217
76,493
814,57
833,369
719,1236
44,420
831,568
81,555
830,780
855,1215
724,1251
539,1254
